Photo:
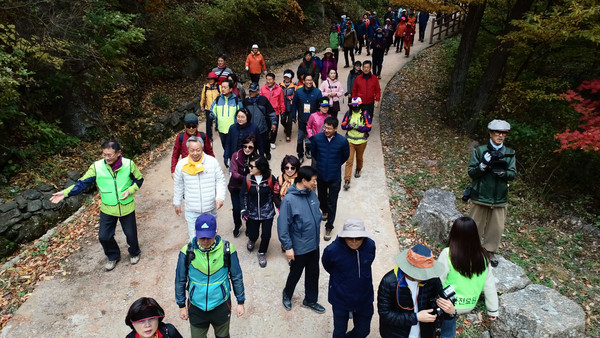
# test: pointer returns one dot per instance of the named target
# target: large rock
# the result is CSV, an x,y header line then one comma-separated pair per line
x,y
538,311
8,206
9,218
509,276
32,194
436,213
21,202
6,247
34,206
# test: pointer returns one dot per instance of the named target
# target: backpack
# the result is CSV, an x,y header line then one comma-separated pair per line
x,y
202,135
190,255
270,180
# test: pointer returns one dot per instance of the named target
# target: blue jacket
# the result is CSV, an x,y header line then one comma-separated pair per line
x,y
361,29
299,221
258,201
350,277
207,280
235,136
304,96
329,155
423,19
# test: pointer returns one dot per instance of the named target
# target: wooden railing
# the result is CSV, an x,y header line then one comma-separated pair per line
x,y
446,23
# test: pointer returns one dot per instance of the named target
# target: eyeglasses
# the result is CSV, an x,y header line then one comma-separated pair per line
x,y
108,156
290,168
191,126
248,147
500,132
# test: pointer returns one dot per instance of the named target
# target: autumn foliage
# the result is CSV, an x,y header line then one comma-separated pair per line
x,y
586,101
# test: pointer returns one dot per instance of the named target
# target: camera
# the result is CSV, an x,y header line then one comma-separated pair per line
x,y
447,293
466,195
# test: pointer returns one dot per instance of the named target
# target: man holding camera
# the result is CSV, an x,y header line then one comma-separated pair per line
x,y
410,299
491,167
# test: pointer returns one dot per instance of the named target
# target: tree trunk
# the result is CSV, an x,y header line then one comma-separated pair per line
x,y
465,52
488,81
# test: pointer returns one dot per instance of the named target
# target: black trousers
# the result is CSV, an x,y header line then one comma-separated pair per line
x,y
361,43
209,124
254,77
264,138
253,227
328,193
106,235
286,122
236,205
370,108
309,263
273,134
351,51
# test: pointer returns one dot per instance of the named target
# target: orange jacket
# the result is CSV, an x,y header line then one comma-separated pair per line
x,y
400,29
255,62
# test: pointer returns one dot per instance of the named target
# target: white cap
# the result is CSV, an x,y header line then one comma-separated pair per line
x,y
287,75
254,46
498,125
312,49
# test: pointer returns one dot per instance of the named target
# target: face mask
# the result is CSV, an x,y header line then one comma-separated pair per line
x,y
379,35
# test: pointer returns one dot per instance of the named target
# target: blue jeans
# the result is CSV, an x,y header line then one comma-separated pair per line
x,y
449,328
361,320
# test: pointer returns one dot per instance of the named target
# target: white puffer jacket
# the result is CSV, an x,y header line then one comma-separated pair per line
x,y
201,190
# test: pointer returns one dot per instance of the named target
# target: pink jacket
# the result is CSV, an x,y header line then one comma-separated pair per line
x,y
275,96
328,86
315,123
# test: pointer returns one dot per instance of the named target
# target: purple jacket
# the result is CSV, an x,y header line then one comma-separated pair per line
x,y
328,64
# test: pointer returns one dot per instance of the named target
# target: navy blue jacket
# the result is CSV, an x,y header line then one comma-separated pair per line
x,y
350,277
361,29
258,201
329,155
235,136
304,96
263,114
299,221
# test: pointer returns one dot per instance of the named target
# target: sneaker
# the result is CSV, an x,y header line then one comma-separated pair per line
x,y
287,301
327,236
346,184
262,260
493,260
273,146
301,159
236,232
357,173
134,259
324,216
250,245
316,307
111,264
268,156
308,155
346,66
288,139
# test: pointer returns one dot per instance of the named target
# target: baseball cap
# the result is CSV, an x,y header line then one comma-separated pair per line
x,y
206,226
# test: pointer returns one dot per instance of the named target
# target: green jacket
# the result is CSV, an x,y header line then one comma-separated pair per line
x,y
486,187
90,178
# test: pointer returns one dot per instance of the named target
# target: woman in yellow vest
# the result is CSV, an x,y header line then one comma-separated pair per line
x,y
118,179
467,268
357,124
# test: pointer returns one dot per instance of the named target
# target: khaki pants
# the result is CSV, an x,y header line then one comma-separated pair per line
x,y
359,149
490,223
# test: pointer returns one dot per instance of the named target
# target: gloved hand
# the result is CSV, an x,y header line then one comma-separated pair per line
x,y
245,215
247,68
500,173
265,72
487,157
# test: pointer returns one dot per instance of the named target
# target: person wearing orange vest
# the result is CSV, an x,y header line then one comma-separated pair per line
x,y
254,63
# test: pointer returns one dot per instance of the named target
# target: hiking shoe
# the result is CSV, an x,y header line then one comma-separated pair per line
x,y
327,236
111,264
262,260
308,155
273,146
493,260
268,156
301,159
236,232
346,184
324,217
250,245
316,307
287,301
134,259
357,173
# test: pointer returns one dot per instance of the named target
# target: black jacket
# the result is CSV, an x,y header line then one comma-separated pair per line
x,y
394,321
263,114
167,331
258,201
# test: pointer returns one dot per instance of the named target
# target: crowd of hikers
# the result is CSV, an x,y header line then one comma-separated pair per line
x,y
418,297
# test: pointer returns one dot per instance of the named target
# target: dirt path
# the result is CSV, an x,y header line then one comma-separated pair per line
x,y
89,302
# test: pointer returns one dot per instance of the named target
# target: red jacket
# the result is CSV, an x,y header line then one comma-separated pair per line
x,y
275,96
180,148
367,89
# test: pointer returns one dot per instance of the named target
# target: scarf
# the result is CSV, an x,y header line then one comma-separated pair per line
x,y
287,182
118,163
193,168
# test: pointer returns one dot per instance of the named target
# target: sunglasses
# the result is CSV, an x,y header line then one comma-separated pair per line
x,y
355,239
248,147
191,126
290,168
251,166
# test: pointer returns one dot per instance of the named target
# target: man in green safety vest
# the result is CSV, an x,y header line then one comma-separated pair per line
x,y
117,178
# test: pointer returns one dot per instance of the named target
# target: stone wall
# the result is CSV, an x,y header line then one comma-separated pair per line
x,y
30,214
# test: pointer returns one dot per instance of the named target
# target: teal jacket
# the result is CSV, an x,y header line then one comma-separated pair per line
x,y
488,188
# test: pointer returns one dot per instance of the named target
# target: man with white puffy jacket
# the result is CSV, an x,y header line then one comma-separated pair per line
x,y
200,179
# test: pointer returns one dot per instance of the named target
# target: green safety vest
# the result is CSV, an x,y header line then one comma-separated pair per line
x,y
225,113
354,136
113,184
467,289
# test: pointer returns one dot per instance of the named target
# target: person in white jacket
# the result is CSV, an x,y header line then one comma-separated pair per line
x,y
200,179
466,267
